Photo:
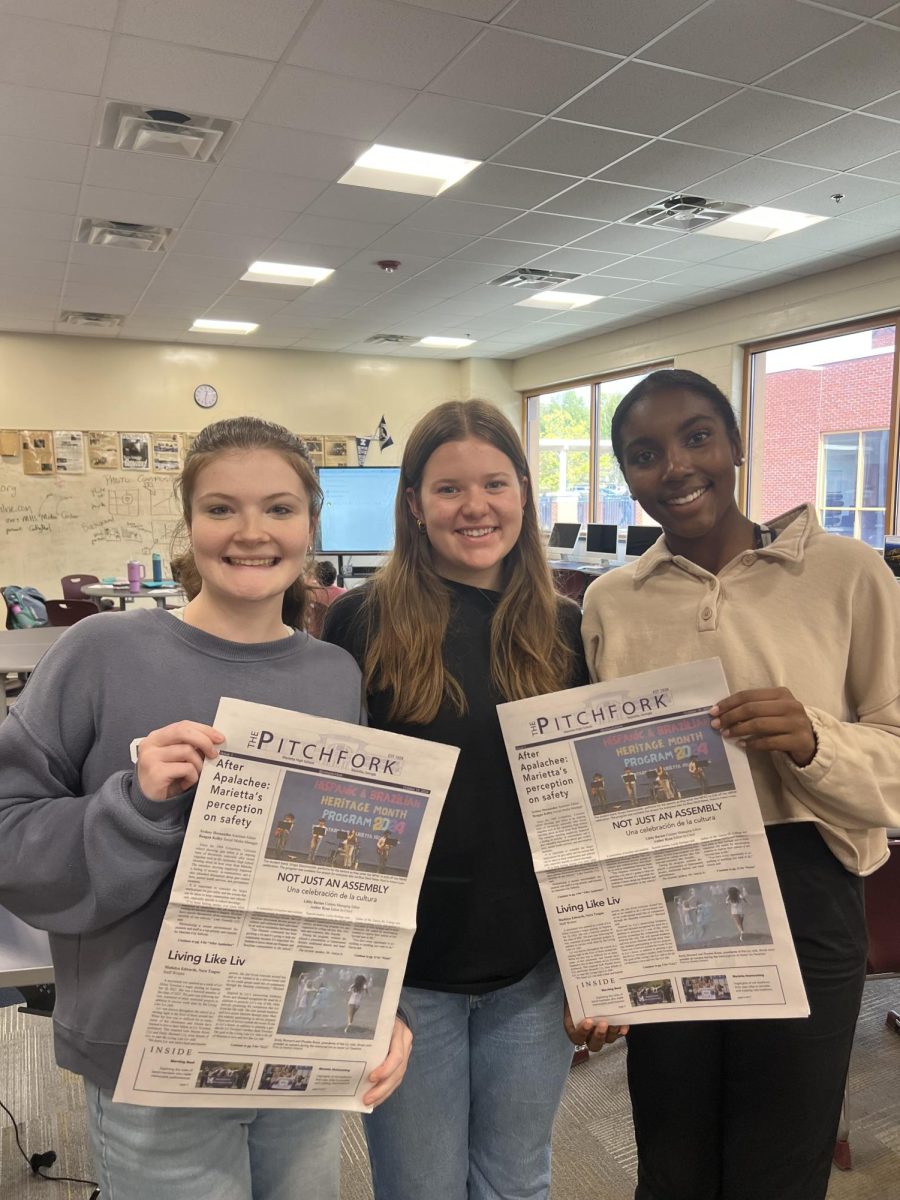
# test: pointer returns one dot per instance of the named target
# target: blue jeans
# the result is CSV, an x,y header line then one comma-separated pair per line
x,y
473,1117
227,1153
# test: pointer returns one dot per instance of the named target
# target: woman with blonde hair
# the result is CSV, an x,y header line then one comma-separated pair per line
x,y
463,617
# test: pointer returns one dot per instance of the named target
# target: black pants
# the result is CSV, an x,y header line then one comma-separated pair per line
x,y
748,1110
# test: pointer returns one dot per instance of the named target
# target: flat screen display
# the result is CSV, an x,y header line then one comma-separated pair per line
x,y
358,509
601,539
640,538
564,535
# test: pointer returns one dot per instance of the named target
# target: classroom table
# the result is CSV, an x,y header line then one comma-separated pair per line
x,y
159,595
20,650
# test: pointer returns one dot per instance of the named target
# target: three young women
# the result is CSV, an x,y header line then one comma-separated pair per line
x,y
808,628
89,843
463,617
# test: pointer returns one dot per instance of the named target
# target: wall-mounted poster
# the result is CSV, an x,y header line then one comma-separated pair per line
x,y
166,452
103,450
315,448
37,452
135,451
9,443
68,446
336,450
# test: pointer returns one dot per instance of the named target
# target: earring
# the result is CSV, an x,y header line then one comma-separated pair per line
x,y
420,525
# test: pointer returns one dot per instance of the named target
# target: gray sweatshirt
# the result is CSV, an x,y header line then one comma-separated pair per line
x,y
83,853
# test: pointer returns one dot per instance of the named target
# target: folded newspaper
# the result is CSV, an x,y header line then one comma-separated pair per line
x,y
275,980
650,851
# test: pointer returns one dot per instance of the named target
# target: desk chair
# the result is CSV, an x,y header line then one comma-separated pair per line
x,y
882,891
68,612
72,585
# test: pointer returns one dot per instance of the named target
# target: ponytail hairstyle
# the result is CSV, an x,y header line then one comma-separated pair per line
x,y
242,434
409,603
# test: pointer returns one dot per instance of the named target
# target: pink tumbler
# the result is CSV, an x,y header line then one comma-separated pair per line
x,y
136,573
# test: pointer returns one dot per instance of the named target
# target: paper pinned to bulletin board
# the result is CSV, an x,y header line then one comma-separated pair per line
x,y
68,446
9,443
103,450
37,452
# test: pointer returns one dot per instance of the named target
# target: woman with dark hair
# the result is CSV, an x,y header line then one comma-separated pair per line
x,y
89,842
807,625
462,617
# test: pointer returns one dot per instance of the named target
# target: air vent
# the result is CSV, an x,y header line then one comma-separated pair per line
x,y
97,231
390,339
532,280
686,214
165,131
91,319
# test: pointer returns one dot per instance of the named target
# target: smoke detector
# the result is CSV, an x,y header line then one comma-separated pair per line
x,y
91,320
390,339
164,131
97,231
532,280
686,214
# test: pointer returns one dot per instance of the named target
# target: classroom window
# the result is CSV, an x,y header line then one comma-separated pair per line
x,y
819,426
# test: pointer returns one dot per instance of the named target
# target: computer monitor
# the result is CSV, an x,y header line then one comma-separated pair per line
x,y
601,544
640,538
563,537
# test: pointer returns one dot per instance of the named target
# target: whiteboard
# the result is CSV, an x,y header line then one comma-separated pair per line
x,y
55,525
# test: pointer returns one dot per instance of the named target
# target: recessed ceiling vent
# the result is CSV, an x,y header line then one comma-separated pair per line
x,y
125,234
390,339
165,131
532,280
93,320
686,214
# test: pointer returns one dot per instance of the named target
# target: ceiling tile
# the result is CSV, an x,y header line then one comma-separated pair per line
x,y
381,40
601,201
364,204
327,231
21,236
446,125
754,121
32,159
37,113
255,30
96,14
640,267
292,151
758,180
569,148
708,275
405,240
889,107
271,189
624,239
235,218
460,216
845,143
336,104
521,72
670,165
306,255
723,38
892,16
646,99
856,70
883,168
549,230
172,76
856,191
885,213
659,292
585,262
862,8
38,194
602,24
215,245
35,52
515,187
154,173
117,205
694,247
498,251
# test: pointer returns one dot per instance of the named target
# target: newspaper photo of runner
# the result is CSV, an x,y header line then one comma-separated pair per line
x,y
658,763
332,1000
340,824
721,912
284,1077
705,987
233,1075
651,991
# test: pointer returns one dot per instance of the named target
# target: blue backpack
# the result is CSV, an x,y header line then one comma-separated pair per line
x,y
25,607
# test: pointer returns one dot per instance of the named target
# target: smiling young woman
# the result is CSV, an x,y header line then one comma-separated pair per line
x,y
807,626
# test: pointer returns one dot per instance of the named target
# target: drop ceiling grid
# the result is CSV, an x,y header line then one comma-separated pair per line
x,y
308,102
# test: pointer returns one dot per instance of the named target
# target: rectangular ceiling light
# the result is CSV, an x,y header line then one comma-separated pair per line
x,y
289,273
207,325
395,170
761,224
445,343
557,299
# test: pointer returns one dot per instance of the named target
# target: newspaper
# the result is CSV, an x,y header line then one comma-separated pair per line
x,y
275,980
650,851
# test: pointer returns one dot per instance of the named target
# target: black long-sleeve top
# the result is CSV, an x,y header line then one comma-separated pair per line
x,y
481,923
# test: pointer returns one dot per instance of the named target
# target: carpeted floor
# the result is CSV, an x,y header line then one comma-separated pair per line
x,y
594,1157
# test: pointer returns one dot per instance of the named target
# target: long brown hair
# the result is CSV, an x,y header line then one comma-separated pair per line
x,y
409,605
244,433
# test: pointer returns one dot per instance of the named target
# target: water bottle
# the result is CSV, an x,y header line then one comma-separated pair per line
x,y
156,560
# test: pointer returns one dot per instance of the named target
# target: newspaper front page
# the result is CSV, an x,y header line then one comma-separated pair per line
x,y
650,851
275,980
